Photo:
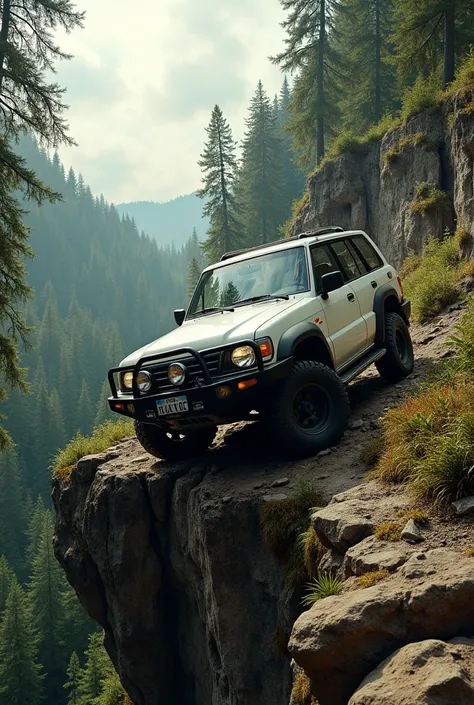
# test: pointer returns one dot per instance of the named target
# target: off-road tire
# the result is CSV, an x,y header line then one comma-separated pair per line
x,y
398,361
158,443
283,417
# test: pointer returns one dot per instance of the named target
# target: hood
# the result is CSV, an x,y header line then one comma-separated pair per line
x,y
215,329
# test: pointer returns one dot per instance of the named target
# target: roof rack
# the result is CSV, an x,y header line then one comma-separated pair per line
x,y
321,231
310,233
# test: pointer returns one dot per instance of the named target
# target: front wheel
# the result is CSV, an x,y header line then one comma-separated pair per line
x,y
173,445
398,361
311,411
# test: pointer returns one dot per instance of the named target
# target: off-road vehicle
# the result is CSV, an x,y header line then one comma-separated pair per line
x,y
280,329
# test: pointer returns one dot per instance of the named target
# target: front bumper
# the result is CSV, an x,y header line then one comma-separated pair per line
x,y
206,406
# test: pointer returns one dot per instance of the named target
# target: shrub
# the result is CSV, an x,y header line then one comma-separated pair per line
x,y
296,210
425,93
432,285
372,452
467,270
372,578
324,586
419,516
462,343
346,141
464,81
104,436
389,531
428,198
382,128
463,238
282,522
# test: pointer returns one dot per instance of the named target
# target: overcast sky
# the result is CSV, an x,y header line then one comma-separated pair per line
x,y
145,78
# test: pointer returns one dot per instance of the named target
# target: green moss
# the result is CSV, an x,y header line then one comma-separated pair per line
x,y
104,436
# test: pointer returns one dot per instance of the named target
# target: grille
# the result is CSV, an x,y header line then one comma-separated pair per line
x,y
159,371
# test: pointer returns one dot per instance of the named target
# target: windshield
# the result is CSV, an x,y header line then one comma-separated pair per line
x,y
277,274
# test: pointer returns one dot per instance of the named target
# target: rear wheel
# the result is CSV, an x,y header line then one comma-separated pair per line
x,y
398,361
310,412
173,445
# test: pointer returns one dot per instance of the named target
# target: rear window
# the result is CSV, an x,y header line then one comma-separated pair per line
x,y
368,252
350,266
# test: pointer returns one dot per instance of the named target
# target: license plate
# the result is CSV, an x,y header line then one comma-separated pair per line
x,y
173,405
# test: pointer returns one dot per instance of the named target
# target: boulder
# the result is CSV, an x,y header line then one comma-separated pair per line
x,y
372,554
464,506
411,532
340,526
344,637
432,672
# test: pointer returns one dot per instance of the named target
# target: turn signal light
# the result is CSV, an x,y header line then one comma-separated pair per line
x,y
119,406
266,348
401,286
247,383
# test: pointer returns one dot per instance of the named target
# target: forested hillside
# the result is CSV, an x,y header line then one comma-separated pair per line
x,y
168,223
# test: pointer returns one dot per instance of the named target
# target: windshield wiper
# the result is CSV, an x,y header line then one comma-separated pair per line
x,y
264,297
213,309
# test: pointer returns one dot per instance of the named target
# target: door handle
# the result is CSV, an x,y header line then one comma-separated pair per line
x,y
374,284
351,297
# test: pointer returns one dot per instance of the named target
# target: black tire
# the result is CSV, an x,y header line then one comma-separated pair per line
x,y
398,361
168,445
310,412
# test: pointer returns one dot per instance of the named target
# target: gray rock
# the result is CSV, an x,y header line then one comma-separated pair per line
x,y
323,453
227,499
372,554
354,425
342,638
340,526
331,562
411,532
280,483
464,506
274,497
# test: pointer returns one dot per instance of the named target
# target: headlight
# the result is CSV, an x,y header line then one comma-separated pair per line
x,y
176,373
243,356
144,381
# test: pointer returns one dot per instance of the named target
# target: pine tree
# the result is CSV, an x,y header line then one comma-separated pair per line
x,y
29,104
194,273
363,43
260,179
95,669
85,413
57,430
35,528
77,625
12,517
219,167
45,592
308,27
20,672
293,177
103,410
6,578
430,33
74,674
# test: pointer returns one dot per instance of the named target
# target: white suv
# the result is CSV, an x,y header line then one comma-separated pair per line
x,y
280,329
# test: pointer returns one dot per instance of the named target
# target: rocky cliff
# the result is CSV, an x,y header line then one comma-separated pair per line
x,y
415,182
197,608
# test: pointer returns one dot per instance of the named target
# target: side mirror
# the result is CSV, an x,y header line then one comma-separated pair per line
x,y
179,316
331,282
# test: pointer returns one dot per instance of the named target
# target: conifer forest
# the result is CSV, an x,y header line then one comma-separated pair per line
x,y
81,287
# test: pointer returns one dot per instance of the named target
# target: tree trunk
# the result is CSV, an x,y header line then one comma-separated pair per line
x,y
226,243
449,39
4,37
320,92
378,63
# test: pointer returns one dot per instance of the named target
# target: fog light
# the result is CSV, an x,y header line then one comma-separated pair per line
x,y
223,392
131,408
119,406
247,383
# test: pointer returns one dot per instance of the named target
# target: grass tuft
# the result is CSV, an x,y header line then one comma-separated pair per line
x,y
313,550
104,436
372,578
463,83
283,521
419,516
425,93
431,282
372,452
388,531
324,586
429,198
301,693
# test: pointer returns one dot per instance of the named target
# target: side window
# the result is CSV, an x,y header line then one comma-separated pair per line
x,y
370,255
350,267
323,262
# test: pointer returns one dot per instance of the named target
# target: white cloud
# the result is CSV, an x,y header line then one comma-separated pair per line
x,y
145,78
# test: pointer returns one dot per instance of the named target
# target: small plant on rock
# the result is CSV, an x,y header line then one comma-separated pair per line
x,y
428,198
389,531
419,516
324,586
312,550
372,578
463,238
301,693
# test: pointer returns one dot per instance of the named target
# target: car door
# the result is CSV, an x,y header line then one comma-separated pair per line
x,y
346,327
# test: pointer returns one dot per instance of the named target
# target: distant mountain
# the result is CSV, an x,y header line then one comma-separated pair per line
x,y
171,222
